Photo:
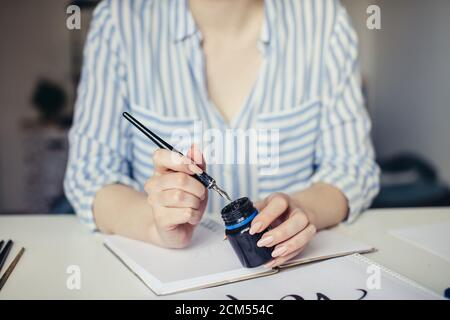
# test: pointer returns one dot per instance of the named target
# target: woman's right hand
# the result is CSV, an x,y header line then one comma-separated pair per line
x,y
177,199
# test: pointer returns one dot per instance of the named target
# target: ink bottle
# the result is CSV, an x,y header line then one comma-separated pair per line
x,y
238,216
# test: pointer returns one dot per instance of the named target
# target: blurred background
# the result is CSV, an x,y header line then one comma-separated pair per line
x,y
406,72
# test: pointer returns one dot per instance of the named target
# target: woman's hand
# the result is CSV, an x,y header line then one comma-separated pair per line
x,y
292,228
178,200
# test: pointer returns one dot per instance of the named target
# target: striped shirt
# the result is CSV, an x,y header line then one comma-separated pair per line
x,y
146,57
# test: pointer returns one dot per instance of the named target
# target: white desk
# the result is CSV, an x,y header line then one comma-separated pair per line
x,y
55,242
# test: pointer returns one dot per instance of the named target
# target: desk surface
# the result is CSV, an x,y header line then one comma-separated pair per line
x,y
53,243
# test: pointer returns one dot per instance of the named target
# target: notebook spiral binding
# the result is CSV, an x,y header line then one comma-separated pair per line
x,y
359,258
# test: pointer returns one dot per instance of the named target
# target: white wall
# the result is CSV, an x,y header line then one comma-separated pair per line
x,y
413,80
357,10
407,64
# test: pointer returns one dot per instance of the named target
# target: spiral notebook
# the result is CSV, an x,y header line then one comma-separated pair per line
x,y
210,260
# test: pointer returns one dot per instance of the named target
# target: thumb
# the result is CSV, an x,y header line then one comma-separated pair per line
x,y
261,204
196,155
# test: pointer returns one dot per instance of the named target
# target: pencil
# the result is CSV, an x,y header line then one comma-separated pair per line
x,y
11,267
4,253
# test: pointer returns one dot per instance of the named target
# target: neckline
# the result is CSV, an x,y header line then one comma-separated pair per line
x,y
263,44
247,104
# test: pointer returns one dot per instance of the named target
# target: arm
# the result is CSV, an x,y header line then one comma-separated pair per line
x,y
99,154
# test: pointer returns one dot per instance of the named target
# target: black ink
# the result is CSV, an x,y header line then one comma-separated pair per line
x,y
321,296
364,292
295,296
238,217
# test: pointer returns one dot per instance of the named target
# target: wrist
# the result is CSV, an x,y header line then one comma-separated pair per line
x,y
138,221
324,204
120,209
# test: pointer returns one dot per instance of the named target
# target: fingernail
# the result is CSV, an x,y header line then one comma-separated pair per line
x,y
255,227
279,251
270,264
195,169
264,241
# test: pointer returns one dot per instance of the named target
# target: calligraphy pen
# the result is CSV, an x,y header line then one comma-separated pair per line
x,y
203,178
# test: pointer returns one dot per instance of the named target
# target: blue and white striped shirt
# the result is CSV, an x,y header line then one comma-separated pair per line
x,y
145,57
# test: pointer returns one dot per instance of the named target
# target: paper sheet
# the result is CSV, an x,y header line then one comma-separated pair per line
x,y
340,278
209,259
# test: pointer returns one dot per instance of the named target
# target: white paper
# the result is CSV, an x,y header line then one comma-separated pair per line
x,y
433,238
334,279
209,259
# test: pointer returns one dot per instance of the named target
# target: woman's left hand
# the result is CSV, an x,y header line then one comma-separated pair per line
x,y
292,227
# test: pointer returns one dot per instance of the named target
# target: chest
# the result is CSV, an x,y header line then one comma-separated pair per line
x,y
231,76
189,80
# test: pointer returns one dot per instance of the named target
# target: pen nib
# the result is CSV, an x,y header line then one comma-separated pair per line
x,y
221,192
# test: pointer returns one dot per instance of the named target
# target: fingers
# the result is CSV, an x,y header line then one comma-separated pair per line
x,y
259,205
196,156
290,227
272,208
290,236
178,200
280,260
169,218
167,161
175,198
175,180
289,248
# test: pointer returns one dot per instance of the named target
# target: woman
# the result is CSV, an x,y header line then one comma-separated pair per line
x,y
289,66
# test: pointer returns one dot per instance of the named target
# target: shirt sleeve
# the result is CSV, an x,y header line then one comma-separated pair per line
x,y
99,150
344,154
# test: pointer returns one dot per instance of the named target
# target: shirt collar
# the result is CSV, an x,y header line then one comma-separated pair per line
x,y
183,23
269,14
